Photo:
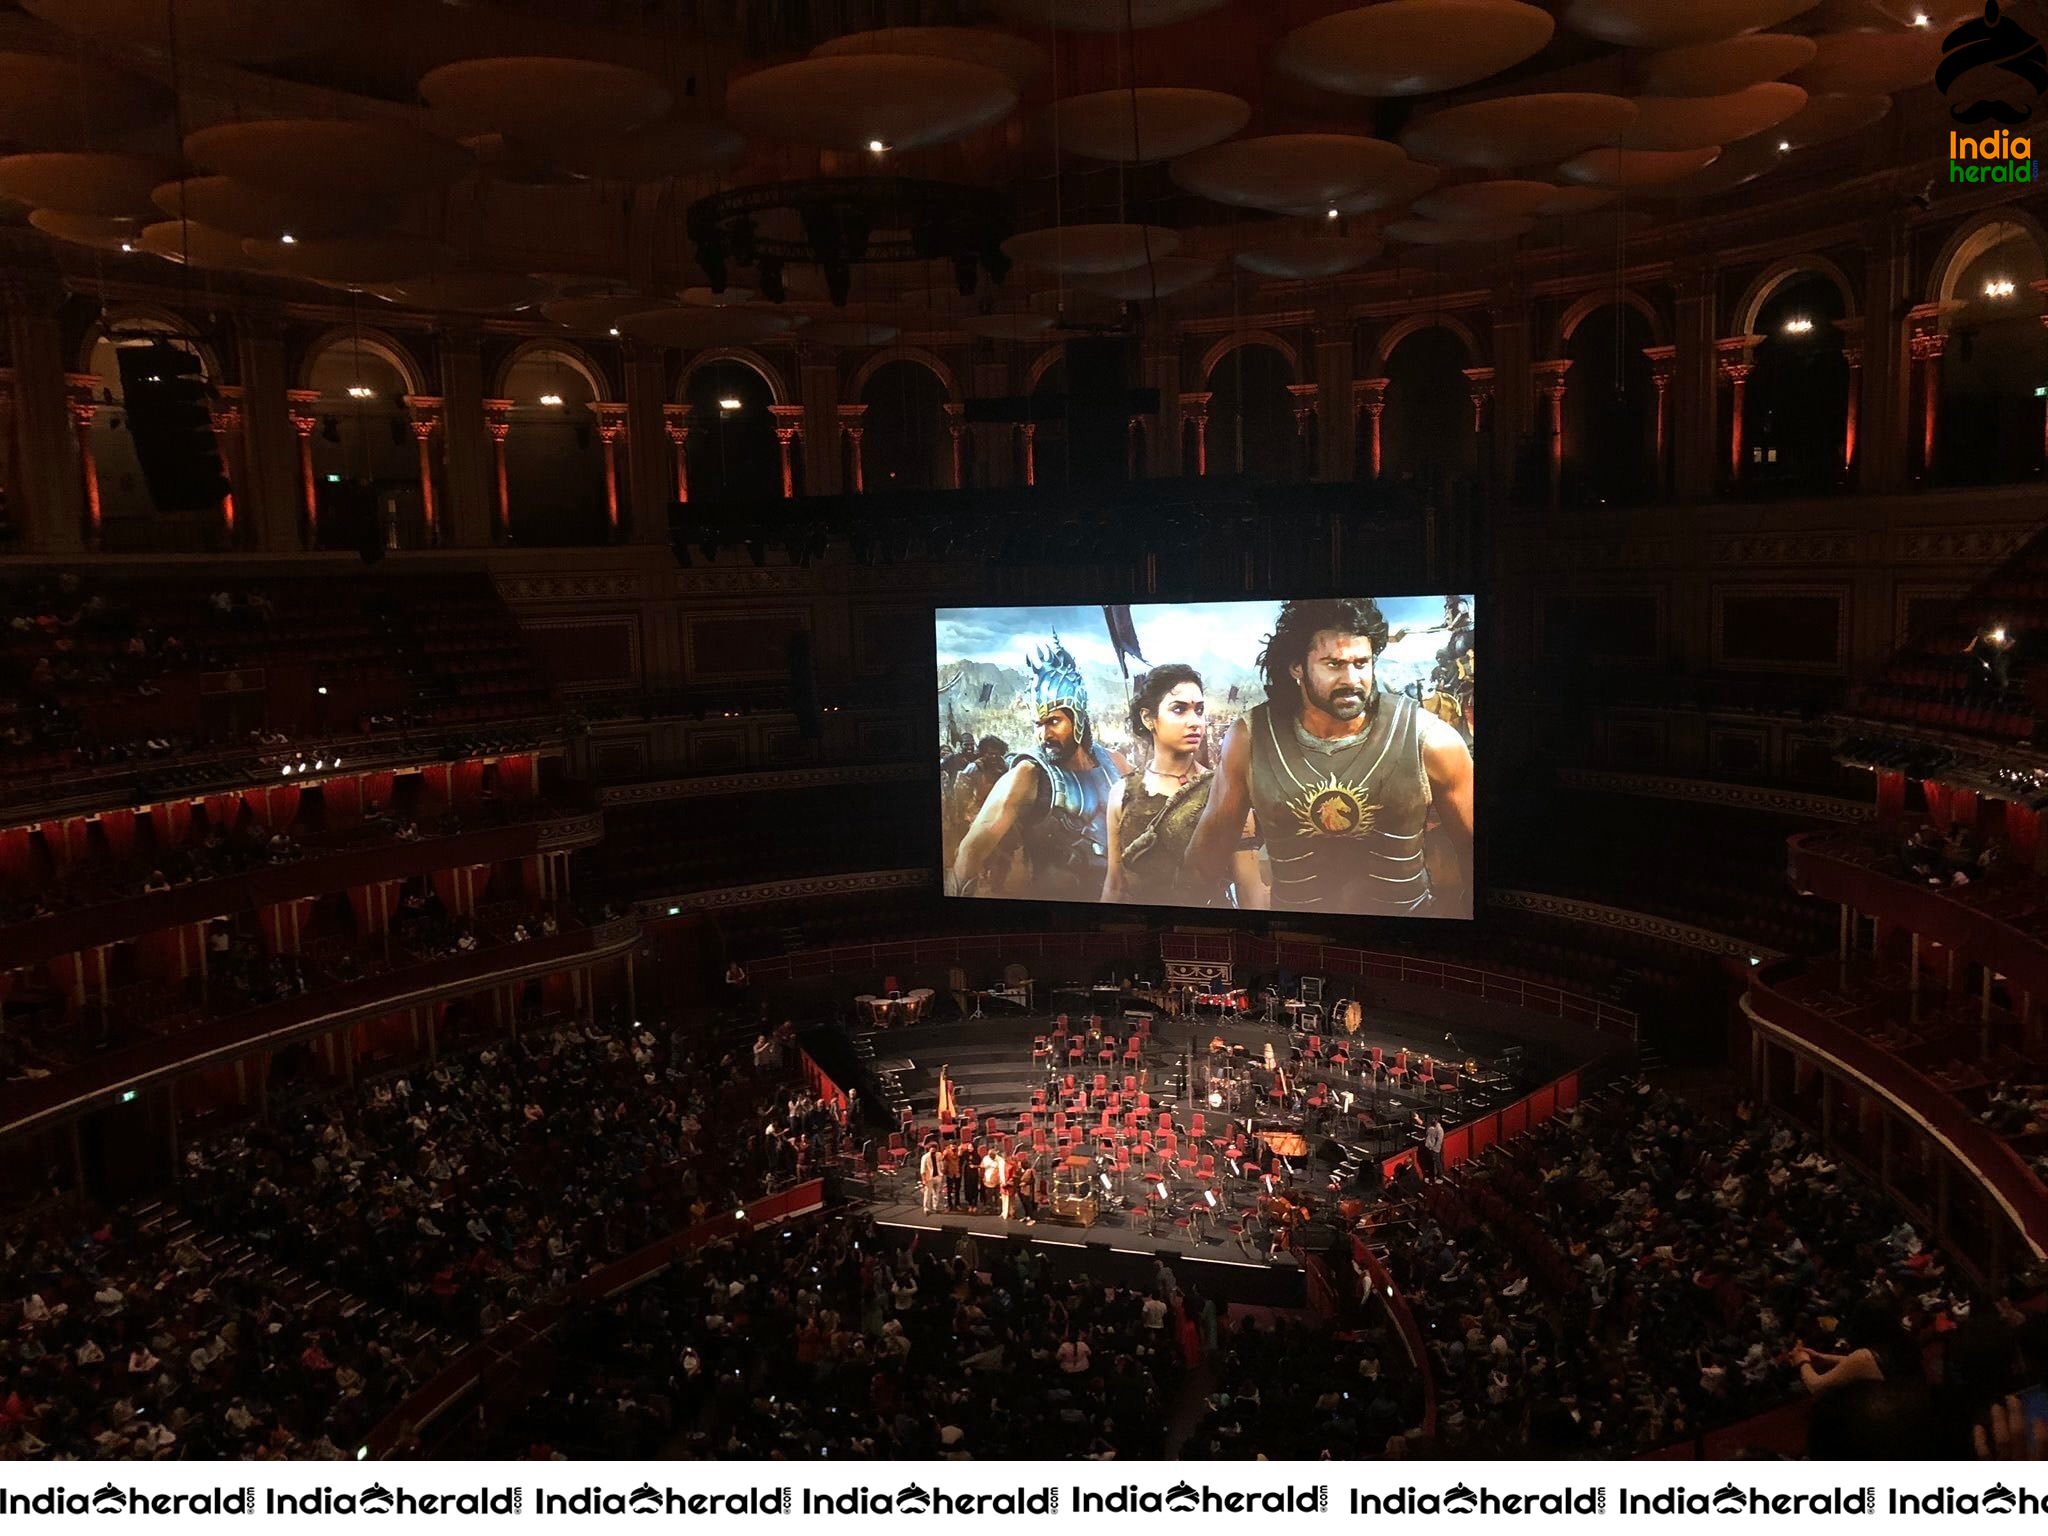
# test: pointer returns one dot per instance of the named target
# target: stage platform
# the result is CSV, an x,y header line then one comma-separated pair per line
x,y
989,1061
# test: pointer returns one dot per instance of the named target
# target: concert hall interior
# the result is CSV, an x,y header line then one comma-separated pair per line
x,y
736,731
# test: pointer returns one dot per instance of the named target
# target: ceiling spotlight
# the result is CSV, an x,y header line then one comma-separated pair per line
x,y
319,763
729,403
360,392
877,147
287,238
126,248
1331,214
321,690
1798,325
1920,19
550,399
1999,288
1784,146
615,330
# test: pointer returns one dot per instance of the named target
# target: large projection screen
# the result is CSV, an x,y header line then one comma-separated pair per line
x,y
1313,755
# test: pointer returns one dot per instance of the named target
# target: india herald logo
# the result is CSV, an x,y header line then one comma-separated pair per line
x,y
1993,69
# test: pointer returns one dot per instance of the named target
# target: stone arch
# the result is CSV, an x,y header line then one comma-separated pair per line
x,y
1229,344
1589,303
746,357
1777,275
1401,330
929,361
1047,360
569,352
1972,239
147,317
374,343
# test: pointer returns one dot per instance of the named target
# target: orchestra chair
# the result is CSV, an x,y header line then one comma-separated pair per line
x,y
1041,1050
1101,1084
1166,1122
894,1154
1198,1127
1107,1055
1134,1051
1141,1214
1075,1047
1144,1103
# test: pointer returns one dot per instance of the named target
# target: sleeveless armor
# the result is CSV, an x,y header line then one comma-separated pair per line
x,y
1342,820
1066,841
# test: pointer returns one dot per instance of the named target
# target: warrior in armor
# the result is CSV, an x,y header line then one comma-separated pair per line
x,y
1154,814
1342,778
1055,797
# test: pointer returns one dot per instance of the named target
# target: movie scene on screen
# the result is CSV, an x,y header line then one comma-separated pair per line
x,y
1310,755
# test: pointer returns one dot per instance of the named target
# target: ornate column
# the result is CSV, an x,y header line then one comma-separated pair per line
x,y
225,415
47,508
1508,322
852,430
79,395
1663,362
9,452
611,428
1735,357
1926,340
2041,288
1549,376
1371,395
676,422
467,510
1693,387
789,425
1336,403
1194,406
1852,354
1030,430
1305,398
301,403
956,428
498,422
1479,390
426,414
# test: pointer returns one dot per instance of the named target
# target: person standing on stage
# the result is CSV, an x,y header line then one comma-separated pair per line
x,y
949,1170
1342,777
1027,1191
1433,1149
992,1191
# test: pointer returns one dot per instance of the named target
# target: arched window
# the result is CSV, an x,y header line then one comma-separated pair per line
x,y
1610,407
1996,358
734,454
1796,406
1426,428
554,463
366,462
906,445
1252,430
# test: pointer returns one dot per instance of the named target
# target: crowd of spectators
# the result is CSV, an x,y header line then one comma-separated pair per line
x,y
453,1195
1635,1274
887,1344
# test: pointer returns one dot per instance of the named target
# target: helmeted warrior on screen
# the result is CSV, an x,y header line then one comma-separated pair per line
x,y
1055,798
1342,777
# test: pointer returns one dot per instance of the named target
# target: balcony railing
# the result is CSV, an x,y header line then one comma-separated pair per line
x,y
546,829
101,1080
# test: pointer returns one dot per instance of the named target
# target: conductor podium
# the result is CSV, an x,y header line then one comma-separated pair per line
x,y
1073,1192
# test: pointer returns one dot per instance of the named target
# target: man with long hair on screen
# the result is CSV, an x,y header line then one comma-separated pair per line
x,y
1153,817
1055,798
1342,777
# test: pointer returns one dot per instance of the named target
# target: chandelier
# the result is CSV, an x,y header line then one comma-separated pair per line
x,y
847,222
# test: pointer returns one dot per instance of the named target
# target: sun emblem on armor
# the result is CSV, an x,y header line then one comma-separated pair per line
x,y
1332,809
